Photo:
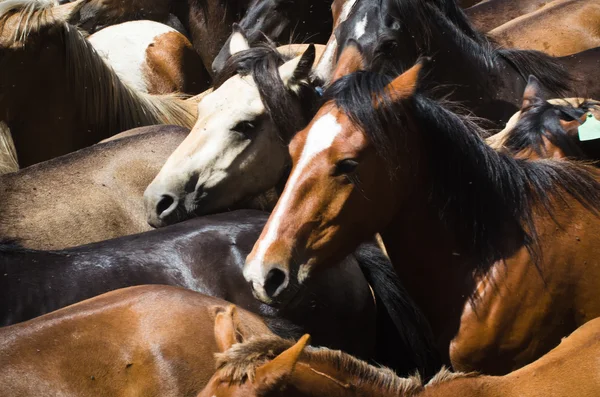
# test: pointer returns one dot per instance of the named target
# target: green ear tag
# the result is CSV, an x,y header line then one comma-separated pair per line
x,y
590,129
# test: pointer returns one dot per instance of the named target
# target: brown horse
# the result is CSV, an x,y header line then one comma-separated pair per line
x,y
477,236
151,57
562,27
90,195
57,95
548,129
489,14
275,367
143,341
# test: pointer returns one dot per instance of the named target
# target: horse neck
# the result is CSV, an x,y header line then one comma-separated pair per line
x,y
468,386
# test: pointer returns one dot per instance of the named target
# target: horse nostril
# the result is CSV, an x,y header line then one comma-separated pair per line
x,y
166,205
275,278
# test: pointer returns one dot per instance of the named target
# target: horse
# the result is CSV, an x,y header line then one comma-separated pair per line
x,y
276,367
152,58
207,255
90,195
238,148
475,235
282,21
147,340
489,14
57,95
563,27
486,80
8,155
548,129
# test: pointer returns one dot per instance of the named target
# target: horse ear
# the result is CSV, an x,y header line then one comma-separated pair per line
x,y
238,41
225,328
533,93
298,69
406,84
351,60
275,372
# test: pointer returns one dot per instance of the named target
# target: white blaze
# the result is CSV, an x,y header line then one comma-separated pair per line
x,y
320,137
360,28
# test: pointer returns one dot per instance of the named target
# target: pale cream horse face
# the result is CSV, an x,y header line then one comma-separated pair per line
x,y
233,152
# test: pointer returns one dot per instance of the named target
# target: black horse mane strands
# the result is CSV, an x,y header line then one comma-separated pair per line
x,y
480,194
262,62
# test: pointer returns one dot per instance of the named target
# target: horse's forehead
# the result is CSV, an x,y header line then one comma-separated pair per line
x,y
238,95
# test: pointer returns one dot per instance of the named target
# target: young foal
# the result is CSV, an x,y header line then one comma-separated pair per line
x,y
274,367
467,229
57,95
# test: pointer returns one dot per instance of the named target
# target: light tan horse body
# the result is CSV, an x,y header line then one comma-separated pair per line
x,y
489,14
562,27
278,368
90,195
78,99
139,341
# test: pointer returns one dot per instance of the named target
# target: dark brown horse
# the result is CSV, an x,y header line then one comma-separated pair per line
x,y
467,67
143,341
57,95
283,21
273,367
476,236
207,255
90,195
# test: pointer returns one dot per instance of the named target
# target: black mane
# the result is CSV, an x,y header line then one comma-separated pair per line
x,y
262,62
543,120
425,20
478,192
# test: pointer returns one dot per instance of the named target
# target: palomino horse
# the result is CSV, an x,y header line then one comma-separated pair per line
x,y
282,21
548,129
207,255
151,57
562,27
57,95
90,195
238,147
143,341
475,235
487,80
269,366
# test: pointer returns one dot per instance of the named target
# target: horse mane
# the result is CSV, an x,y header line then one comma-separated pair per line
x,y
543,120
107,102
480,194
8,152
239,364
262,62
417,17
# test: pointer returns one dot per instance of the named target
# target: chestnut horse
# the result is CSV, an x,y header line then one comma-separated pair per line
x,y
238,148
269,366
487,80
151,57
562,27
143,341
90,195
282,21
57,95
548,129
475,235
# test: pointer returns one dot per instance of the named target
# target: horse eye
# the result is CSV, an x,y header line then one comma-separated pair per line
x,y
346,166
244,127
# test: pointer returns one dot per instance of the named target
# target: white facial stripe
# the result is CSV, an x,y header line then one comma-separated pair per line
x,y
323,69
320,137
360,28
346,10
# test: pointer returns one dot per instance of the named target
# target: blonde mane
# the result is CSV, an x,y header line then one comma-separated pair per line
x,y
106,102
239,364
8,152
